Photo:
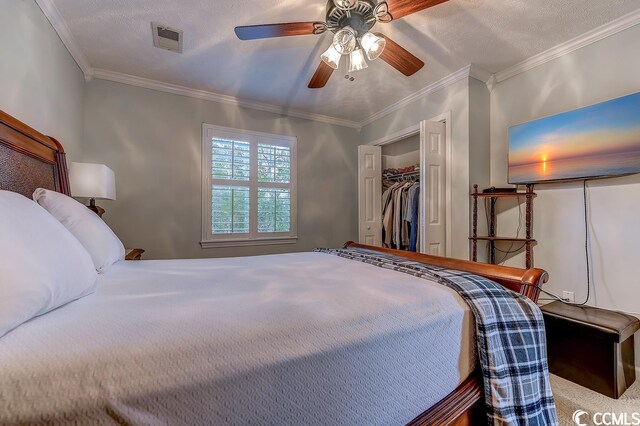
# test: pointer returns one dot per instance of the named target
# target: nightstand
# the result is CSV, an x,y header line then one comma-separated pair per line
x,y
133,254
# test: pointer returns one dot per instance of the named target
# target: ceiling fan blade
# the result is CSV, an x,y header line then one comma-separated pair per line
x,y
322,75
254,32
399,58
401,8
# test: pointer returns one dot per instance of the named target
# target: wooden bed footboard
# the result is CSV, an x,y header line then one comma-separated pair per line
x,y
465,405
523,281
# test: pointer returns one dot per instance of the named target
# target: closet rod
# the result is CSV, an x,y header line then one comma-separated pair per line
x,y
415,173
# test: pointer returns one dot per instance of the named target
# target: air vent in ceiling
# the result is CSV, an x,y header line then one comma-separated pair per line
x,y
166,37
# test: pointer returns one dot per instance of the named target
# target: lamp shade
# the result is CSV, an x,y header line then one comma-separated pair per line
x,y
92,181
372,45
357,61
344,41
331,57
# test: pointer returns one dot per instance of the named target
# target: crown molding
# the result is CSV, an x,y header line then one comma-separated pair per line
x,y
58,23
52,13
480,73
627,21
433,87
466,72
483,75
215,97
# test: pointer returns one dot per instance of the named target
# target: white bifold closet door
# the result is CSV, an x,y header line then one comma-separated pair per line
x,y
433,195
433,191
369,195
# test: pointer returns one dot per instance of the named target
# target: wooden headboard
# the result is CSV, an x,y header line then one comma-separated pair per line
x,y
29,159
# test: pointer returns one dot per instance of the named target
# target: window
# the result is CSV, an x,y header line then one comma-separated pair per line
x,y
248,188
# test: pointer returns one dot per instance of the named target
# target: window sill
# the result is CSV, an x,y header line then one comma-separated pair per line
x,y
246,242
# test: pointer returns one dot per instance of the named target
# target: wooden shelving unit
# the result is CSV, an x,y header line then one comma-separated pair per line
x,y
492,238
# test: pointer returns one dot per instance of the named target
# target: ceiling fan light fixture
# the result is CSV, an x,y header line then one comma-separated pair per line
x,y
357,61
331,57
351,22
345,4
373,45
344,41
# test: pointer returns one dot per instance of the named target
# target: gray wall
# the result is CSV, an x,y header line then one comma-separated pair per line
x,y
479,150
152,140
403,146
604,70
479,133
40,83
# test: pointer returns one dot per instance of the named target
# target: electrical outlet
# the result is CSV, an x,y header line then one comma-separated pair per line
x,y
568,296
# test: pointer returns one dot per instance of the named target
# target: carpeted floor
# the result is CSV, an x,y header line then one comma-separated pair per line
x,y
571,397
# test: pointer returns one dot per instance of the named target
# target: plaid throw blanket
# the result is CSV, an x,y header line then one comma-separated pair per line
x,y
510,338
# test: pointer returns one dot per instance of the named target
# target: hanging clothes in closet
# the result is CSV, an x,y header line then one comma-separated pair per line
x,y
401,210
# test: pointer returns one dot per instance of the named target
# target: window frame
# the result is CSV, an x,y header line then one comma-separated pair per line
x,y
210,240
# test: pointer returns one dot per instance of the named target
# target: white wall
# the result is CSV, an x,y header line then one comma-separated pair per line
x,y
40,83
403,153
400,161
152,140
604,70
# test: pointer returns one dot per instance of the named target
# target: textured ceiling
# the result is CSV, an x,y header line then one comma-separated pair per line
x,y
115,35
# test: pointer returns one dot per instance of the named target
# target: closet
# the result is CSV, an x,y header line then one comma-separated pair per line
x,y
402,190
400,202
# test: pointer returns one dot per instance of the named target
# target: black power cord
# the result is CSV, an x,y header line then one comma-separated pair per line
x,y
508,251
586,240
586,252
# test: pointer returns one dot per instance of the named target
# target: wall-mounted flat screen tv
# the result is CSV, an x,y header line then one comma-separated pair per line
x,y
600,140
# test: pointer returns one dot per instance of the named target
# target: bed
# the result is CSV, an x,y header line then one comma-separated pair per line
x,y
214,339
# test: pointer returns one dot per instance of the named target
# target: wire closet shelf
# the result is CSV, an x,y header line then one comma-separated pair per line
x,y
414,175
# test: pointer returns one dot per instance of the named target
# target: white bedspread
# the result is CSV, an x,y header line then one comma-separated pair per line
x,y
304,338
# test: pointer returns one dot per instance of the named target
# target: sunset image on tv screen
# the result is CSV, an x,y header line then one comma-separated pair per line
x,y
598,140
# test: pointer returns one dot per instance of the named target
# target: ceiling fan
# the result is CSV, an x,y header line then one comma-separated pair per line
x,y
351,22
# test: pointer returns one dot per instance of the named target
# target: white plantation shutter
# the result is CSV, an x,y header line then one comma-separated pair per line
x,y
230,159
274,205
249,188
274,163
230,212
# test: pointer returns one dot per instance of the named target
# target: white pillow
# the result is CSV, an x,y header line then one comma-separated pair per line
x,y
102,244
42,266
